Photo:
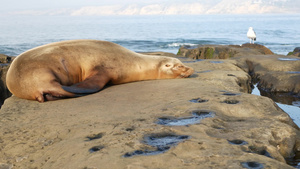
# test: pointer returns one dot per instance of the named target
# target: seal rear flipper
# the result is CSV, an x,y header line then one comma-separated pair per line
x,y
54,95
50,97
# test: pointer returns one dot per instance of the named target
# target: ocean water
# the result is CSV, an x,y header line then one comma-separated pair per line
x,y
280,33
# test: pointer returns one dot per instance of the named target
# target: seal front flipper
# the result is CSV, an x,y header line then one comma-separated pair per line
x,y
80,90
90,85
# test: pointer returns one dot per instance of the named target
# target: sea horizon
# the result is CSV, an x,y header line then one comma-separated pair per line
x,y
166,33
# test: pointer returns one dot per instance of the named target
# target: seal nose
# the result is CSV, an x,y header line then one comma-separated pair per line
x,y
187,72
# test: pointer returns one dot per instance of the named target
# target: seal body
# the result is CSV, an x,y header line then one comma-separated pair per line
x,y
80,67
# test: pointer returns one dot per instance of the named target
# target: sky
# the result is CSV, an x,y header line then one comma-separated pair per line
x,y
149,7
56,4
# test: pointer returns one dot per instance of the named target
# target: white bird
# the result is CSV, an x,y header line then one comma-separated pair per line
x,y
251,35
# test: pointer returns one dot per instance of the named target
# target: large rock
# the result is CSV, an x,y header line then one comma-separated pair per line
x,y
296,52
4,65
6,59
112,128
222,51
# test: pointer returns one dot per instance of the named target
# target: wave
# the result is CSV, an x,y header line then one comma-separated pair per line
x,y
176,44
147,45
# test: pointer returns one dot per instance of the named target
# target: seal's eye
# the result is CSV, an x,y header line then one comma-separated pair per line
x,y
167,65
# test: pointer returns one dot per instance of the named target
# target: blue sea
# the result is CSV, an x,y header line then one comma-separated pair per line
x,y
280,33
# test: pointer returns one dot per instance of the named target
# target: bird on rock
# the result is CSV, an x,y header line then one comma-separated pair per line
x,y
251,35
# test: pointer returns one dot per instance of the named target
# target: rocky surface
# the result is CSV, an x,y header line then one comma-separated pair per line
x,y
4,65
206,121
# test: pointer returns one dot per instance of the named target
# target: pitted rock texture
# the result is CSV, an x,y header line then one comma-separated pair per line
x,y
96,131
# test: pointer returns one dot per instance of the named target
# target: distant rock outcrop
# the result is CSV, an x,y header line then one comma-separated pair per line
x,y
296,52
222,51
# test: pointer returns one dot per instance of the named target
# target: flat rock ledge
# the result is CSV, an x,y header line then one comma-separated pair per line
x,y
206,121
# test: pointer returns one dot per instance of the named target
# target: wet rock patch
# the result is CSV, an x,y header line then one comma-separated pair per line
x,y
95,136
231,75
130,129
198,100
294,161
197,116
259,150
143,152
161,142
231,101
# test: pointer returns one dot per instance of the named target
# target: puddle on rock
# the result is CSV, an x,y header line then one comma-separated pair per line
x,y
252,165
293,72
288,59
237,142
231,94
161,142
205,71
192,61
197,116
216,61
95,149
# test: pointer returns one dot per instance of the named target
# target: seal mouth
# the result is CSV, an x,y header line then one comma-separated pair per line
x,y
184,76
